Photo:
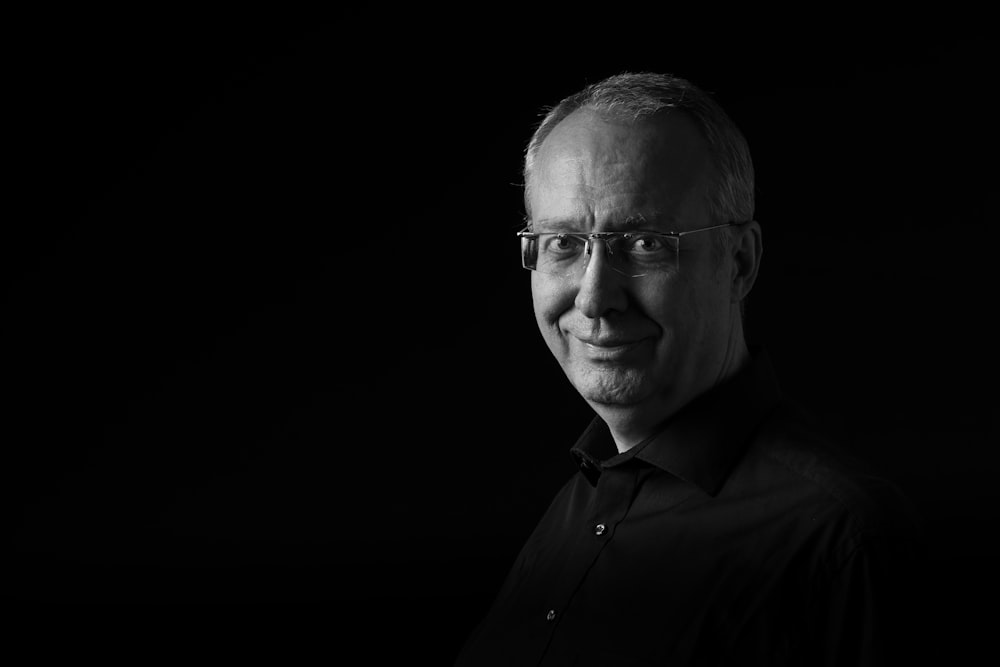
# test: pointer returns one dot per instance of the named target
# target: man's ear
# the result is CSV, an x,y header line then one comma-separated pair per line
x,y
747,249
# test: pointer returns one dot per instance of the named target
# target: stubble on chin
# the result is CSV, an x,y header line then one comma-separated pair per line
x,y
610,385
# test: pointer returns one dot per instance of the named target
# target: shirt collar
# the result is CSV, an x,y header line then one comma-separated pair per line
x,y
703,441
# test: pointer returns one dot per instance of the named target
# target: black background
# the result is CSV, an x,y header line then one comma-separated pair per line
x,y
267,339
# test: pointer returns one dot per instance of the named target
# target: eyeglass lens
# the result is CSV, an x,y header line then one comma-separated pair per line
x,y
632,255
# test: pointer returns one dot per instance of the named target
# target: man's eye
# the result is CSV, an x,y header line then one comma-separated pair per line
x,y
647,244
562,244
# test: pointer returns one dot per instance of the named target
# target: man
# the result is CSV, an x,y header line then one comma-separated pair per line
x,y
709,523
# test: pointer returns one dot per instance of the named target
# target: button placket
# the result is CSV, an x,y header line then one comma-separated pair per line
x,y
614,495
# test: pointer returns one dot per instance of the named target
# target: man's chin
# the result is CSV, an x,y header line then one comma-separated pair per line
x,y
617,388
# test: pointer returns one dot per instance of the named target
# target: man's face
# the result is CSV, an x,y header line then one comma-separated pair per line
x,y
647,341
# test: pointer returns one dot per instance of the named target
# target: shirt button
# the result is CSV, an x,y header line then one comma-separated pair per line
x,y
551,615
599,529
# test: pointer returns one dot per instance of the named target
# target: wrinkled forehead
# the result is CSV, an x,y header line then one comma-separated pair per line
x,y
594,166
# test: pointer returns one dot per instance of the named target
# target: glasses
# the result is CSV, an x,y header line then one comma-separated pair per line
x,y
632,254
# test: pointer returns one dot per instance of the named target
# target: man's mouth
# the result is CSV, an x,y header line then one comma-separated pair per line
x,y
609,348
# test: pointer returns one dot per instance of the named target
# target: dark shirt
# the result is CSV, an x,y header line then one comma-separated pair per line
x,y
736,535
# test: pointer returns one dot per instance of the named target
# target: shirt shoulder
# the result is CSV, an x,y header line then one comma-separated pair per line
x,y
815,467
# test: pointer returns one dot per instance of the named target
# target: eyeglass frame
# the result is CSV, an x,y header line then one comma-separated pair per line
x,y
590,237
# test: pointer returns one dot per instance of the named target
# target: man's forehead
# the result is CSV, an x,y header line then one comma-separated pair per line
x,y
586,131
594,155
555,202
591,170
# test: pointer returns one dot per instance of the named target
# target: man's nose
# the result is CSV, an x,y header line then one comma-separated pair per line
x,y
601,289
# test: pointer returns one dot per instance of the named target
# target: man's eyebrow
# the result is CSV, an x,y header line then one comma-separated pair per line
x,y
636,221
553,224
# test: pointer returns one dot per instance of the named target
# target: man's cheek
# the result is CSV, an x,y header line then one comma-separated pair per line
x,y
550,305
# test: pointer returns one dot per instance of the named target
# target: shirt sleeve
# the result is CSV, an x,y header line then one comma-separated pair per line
x,y
869,611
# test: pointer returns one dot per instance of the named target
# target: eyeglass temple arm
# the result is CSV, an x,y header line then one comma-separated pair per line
x,y
706,229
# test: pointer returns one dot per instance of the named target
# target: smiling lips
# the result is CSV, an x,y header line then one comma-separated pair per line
x,y
609,349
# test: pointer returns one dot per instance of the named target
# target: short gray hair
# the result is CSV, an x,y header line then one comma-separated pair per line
x,y
640,95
